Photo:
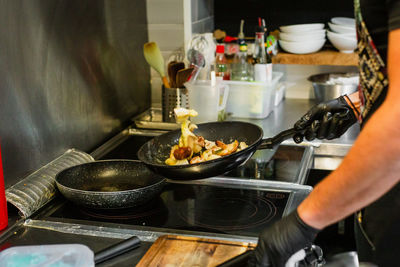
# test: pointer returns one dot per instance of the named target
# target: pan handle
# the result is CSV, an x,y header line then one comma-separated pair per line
x,y
117,249
238,261
269,143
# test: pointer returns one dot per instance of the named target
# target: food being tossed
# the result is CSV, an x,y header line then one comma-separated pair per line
x,y
195,149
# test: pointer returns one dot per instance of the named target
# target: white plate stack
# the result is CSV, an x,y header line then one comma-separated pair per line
x,y
342,34
302,38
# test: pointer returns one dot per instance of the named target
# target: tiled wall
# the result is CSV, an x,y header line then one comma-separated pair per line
x,y
202,16
166,28
171,24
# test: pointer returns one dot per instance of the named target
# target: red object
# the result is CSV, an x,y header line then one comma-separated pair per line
x,y
229,39
3,202
221,65
220,49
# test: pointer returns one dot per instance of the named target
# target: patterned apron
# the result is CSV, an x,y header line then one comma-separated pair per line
x,y
377,227
373,78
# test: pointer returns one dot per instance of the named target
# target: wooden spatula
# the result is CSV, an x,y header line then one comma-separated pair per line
x,y
173,68
153,56
182,76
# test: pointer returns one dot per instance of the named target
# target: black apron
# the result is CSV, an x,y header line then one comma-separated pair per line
x,y
377,227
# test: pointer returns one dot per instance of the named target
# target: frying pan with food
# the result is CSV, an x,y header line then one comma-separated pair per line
x,y
154,152
109,184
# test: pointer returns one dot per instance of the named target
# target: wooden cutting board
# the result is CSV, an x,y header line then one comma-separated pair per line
x,y
175,250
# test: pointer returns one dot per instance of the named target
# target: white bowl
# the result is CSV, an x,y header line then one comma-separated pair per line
x,y
302,47
342,28
343,43
344,21
302,27
306,33
301,37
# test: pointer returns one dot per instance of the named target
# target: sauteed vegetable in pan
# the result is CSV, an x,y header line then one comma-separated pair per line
x,y
155,151
193,148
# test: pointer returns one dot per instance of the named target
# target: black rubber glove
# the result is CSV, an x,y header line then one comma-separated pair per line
x,y
279,242
327,120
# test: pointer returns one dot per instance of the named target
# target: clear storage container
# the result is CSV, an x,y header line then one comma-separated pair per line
x,y
66,255
252,99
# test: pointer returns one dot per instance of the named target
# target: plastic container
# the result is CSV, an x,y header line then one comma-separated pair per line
x,y
66,255
252,99
209,101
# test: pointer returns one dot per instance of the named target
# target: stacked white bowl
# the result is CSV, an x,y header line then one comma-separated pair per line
x,y
342,34
302,38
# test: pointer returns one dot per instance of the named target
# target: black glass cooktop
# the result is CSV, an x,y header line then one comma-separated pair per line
x,y
195,207
208,207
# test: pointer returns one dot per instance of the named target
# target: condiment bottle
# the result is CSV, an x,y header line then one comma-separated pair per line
x,y
262,68
241,70
3,202
221,65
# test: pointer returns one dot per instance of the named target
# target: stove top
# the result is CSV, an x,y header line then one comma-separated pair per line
x,y
191,207
241,202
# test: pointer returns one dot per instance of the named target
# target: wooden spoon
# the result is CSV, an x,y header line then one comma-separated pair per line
x,y
182,76
173,68
153,56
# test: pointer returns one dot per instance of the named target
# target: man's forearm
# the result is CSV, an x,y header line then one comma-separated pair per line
x,y
369,170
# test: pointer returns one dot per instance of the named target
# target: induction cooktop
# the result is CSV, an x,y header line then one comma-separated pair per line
x,y
241,202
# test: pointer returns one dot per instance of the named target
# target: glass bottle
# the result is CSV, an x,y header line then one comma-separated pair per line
x,y
241,70
262,68
221,64
259,54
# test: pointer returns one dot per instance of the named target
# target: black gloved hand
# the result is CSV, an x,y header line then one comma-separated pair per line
x,y
327,120
279,242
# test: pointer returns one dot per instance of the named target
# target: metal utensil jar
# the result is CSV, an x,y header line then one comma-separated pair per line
x,y
172,98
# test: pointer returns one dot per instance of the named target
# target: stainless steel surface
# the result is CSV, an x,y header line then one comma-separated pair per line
x,y
172,98
37,189
110,144
110,230
145,132
71,73
328,154
324,91
152,119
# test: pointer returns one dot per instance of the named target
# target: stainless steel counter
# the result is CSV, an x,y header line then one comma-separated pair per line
x,y
287,113
327,153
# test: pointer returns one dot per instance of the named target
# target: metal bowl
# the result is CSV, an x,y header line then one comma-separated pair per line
x,y
328,86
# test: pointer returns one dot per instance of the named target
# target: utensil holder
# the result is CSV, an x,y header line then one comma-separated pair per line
x,y
172,98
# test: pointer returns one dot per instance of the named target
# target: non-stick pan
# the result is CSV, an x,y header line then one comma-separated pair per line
x,y
109,184
154,152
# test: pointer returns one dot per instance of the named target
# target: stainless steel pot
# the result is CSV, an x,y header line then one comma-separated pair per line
x,y
328,86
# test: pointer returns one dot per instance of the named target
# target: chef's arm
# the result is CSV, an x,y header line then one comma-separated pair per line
x,y
372,165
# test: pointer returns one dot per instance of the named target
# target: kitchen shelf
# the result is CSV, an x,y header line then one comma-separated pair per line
x,y
323,57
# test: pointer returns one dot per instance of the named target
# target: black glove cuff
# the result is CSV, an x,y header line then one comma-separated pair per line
x,y
307,230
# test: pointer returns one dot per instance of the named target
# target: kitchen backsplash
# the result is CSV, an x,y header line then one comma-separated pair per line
x,y
72,73
171,24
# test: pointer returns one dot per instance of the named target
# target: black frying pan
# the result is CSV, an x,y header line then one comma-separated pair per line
x,y
154,152
109,184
